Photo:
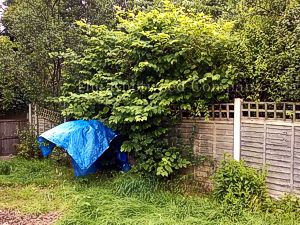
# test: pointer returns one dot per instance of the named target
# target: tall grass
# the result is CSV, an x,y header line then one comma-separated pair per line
x,y
113,198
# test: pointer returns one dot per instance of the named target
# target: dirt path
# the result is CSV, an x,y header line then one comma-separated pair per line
x,y
15,218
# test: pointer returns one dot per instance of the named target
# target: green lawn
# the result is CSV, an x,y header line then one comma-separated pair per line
x,y
36,187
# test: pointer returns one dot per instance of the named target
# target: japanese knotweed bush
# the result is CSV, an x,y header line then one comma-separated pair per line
x,y
138,76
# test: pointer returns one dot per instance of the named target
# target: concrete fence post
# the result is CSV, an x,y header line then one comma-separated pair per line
x,y
237,129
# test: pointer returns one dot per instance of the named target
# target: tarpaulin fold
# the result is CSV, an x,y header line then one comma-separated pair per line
x,y
85,141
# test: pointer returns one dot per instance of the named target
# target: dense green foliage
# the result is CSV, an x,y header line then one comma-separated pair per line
x,y
239,186
137,70
5,168
28,148
36,186
11,85
156,62
268,68
266,60
41,29
61,157
136,74
287,203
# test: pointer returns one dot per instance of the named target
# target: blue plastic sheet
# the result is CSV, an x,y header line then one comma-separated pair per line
x,y
85,141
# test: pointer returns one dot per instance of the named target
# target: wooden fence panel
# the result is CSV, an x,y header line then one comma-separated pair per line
x,y
252,144
223,139
272,145
269,138
209,138
204,138
8,135
279,158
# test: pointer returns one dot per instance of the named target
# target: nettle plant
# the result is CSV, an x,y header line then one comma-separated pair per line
x,y
239,186
142,73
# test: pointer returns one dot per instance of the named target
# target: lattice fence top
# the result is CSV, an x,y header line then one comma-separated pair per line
x,y
221,111
284,111
50,115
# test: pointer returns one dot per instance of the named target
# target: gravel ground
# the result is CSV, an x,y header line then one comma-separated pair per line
x,y
15,218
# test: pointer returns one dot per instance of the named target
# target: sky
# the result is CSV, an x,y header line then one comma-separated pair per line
x,y
1,6
1,10
1,3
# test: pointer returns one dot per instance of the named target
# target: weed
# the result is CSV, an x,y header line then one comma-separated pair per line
x,y
239,186
28,147
5,168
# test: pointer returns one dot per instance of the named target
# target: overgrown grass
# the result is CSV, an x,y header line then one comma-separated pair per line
x,y
112,198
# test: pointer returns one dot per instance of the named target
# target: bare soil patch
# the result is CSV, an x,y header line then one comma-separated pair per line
x,y
15,218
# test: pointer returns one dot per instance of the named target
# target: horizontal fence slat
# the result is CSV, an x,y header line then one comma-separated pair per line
x,y
251,144
278,169
280,188
274,152
252,154
278,163
251,149
281,158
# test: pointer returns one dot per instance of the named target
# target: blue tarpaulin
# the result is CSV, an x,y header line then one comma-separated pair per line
x,y
85,141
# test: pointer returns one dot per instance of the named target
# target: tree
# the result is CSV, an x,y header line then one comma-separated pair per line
x,y
137,72
11,96
41,30
269,57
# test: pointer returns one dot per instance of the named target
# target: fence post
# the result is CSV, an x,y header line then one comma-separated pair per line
x,y
30,114
36,119
237,129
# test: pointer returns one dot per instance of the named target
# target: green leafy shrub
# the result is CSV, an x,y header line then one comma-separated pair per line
x,y
239,186
137,72
268,57
28,146
5,168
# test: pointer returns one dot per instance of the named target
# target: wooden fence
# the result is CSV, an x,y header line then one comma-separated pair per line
x,y
266,134
40,118
8,135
